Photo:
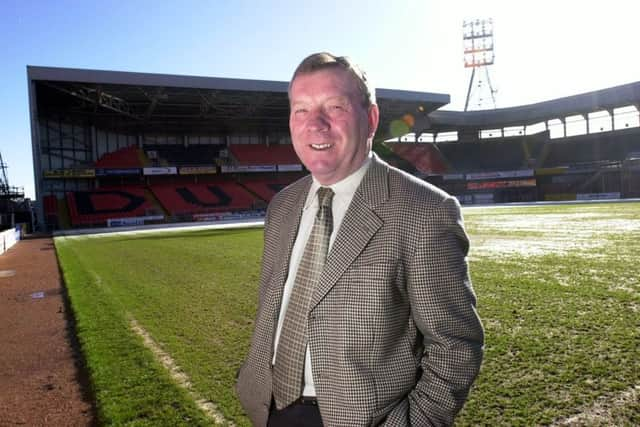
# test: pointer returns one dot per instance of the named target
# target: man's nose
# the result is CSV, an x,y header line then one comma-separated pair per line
x,y
318,120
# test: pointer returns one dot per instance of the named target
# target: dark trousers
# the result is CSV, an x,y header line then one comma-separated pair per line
x,y
304,412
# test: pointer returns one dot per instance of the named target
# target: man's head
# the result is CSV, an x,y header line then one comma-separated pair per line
x,y
325,60
333,116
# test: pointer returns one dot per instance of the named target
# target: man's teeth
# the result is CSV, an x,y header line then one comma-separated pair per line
x,y
320,146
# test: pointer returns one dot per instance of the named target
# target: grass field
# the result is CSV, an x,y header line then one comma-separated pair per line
x,y
558,290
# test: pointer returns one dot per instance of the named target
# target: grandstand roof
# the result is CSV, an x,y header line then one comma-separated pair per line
x,y
132,102
605,99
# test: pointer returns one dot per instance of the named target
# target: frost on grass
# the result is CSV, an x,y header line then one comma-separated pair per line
x,y
530,235
602,411
504,246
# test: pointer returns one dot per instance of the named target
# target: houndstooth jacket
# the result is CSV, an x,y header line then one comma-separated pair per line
x,y
394,335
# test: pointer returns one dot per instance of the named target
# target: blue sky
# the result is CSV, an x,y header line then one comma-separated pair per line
x,y
544,49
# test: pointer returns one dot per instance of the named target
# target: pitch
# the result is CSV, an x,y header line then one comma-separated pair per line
x,y
558,292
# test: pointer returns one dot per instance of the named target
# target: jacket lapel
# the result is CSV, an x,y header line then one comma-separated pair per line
x,y
359,225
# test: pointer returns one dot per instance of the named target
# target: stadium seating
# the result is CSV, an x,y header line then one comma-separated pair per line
x,y
605,146
179,155
494,155
258,154
266,188
532,146
584,162
426,158
97,206
50,205
128,157
186,199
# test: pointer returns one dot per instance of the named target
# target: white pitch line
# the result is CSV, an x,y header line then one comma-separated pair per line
x,y
158,228
208,407
600,412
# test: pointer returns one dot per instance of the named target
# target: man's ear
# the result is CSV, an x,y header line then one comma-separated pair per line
x,y
373,116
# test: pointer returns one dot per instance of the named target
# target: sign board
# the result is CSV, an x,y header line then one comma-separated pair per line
x,y
248,168
69,173
500,174
138,220
197,170
289,168
117,172
597,196
486,185
169,170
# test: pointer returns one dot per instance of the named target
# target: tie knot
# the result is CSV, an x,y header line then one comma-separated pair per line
x,y
325,195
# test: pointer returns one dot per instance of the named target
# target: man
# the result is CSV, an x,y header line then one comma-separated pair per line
x,y
366,312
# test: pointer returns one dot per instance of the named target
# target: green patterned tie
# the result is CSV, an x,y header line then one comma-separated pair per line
x,y
288,371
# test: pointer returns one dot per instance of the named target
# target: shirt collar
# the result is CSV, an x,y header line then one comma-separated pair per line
x,y
344,189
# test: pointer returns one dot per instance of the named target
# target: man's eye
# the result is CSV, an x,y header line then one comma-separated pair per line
x,y
337,107
300,110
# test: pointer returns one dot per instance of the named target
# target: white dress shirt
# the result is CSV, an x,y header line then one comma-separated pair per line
x,y
343,194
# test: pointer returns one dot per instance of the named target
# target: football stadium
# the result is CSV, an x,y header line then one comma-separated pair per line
x,y
116,148
155,187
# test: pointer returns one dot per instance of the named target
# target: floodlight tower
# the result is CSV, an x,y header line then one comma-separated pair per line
x,y
477,36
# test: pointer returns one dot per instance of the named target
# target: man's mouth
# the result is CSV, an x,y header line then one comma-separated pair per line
x,y
321,146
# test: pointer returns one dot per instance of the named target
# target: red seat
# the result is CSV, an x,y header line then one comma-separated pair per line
x,y
97,206
182,199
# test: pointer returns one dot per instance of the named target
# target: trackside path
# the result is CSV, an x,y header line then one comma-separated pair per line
x,y
40,383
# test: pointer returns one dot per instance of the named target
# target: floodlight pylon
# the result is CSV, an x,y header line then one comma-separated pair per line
x,y
477,37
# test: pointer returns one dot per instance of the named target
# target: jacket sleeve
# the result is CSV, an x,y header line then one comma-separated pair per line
x,y
443,307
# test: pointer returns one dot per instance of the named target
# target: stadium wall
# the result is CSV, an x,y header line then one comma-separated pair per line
x,y
9,238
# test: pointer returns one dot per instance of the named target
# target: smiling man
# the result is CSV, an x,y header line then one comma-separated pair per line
x,y
366,312
332,123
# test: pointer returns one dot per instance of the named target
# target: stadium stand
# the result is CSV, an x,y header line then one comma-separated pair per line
x,y
186,146
259,154
492,155
179,155
605,146
97,206
425,157
188,199
266,188
128,157
50,205
532,146
50,210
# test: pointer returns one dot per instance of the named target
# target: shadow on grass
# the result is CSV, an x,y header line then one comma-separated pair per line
x,y
81,372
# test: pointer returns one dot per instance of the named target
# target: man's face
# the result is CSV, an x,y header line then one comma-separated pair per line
x,y
330,128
